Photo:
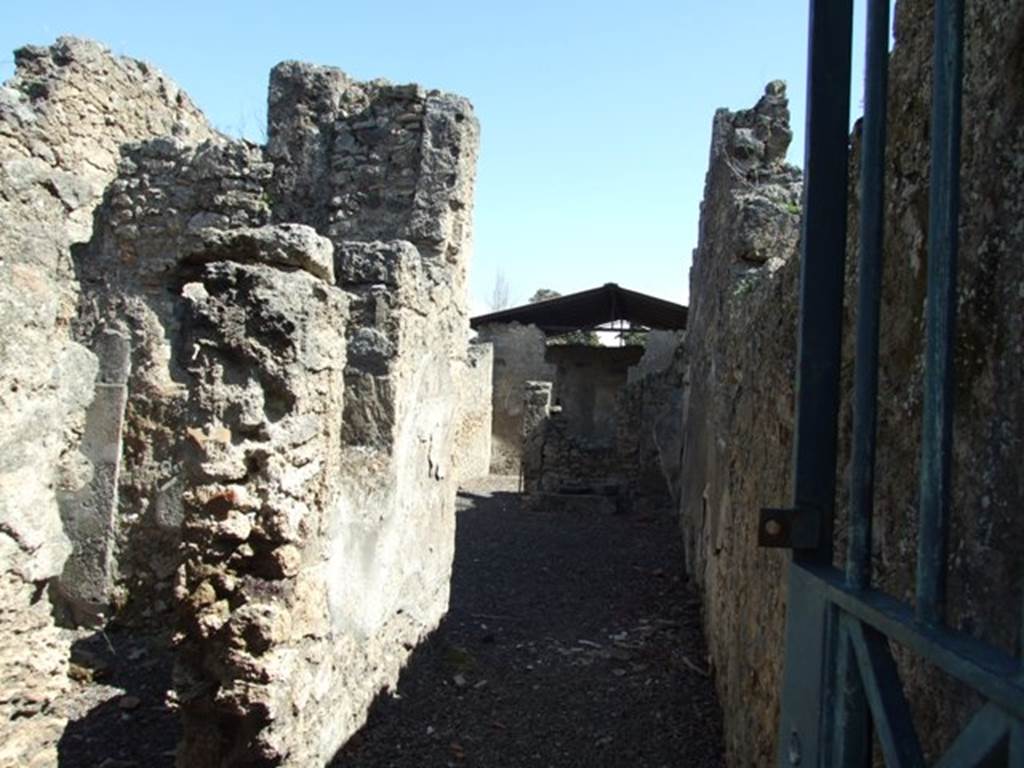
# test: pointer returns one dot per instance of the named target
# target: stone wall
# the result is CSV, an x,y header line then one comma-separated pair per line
x,y
741,353
660,351
473,428
597,434
63,118
649,433
737,411
588,380
276,338
352,568
536,419
557,459
519,356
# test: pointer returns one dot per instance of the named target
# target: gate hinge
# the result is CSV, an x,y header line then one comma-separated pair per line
x,y
787,529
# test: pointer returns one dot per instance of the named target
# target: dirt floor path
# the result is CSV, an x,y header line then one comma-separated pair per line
x,y
572,640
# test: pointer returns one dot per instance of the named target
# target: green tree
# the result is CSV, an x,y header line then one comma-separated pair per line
x,y
633,336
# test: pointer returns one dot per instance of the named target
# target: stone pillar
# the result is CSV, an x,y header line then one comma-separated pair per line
x,y
90,512
536,410
265,347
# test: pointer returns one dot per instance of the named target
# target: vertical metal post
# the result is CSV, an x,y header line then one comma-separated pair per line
x,y
944,210
823,256
869,294
853,726
810,624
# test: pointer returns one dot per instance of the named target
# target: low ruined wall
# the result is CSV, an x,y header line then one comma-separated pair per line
x,y
741,356
63,118
572,463
519,356
473,382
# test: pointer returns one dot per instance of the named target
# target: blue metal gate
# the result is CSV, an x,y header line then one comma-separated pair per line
x,y
841,686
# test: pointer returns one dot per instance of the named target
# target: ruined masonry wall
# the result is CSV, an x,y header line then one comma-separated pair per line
x,y
359,559
741,354
561,455
275,338
63,118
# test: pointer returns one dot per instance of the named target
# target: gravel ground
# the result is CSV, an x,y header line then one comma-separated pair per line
x,y
572,640
118,711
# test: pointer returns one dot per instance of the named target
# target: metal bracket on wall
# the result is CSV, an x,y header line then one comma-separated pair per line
x,y
787,529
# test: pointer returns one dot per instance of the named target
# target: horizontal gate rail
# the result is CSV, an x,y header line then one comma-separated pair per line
x,y
992,672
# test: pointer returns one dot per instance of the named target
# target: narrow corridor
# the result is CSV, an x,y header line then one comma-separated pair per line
x,y
572,640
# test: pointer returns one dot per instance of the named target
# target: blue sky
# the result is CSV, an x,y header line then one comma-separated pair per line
x,y
595,116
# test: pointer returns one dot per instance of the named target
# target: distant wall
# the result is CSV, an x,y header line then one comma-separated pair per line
x,y
588,380
473,383
660,350
518,357
599,432
650,423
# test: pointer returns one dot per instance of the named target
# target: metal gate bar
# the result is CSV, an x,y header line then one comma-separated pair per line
x,y
853,720
869,294
943,221
841,684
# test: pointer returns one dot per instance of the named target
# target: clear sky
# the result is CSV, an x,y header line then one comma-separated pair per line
x,y
595,116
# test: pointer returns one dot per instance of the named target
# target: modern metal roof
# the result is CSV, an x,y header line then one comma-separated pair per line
x,y
590,309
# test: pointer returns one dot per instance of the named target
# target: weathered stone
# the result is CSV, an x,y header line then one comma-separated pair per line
x,y
536,410
277,347
736,421
89,507
346,564
132,274
63,118
284,245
